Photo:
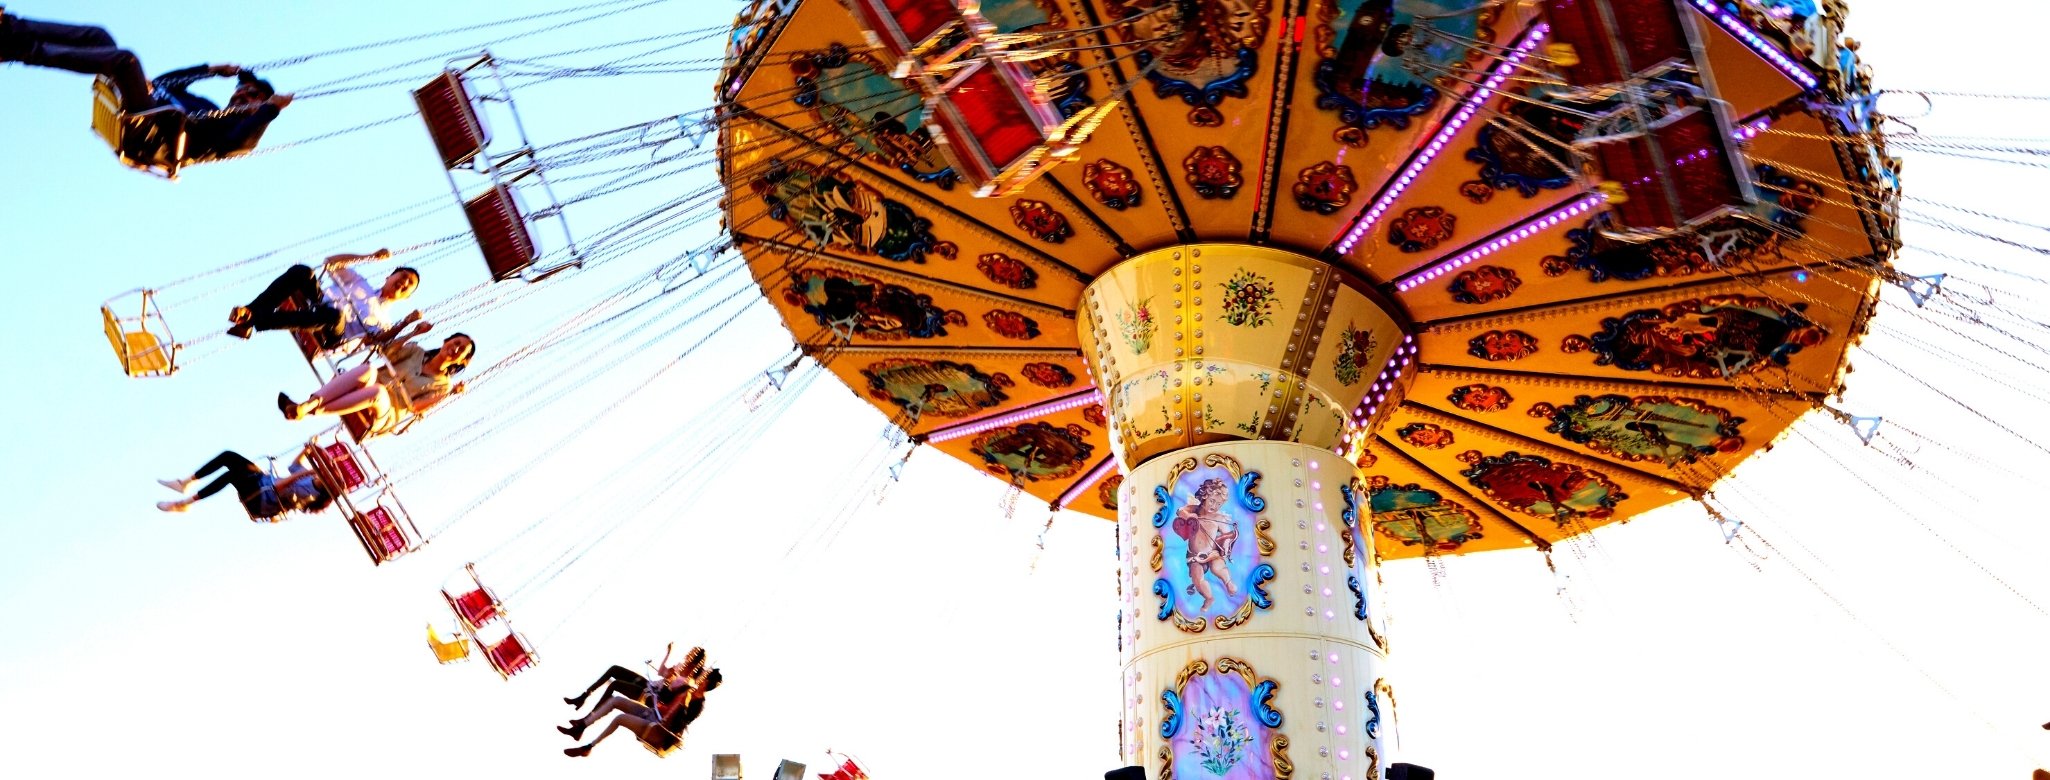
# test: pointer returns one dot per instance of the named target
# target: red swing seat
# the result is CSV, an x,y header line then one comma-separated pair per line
x,y
501,228
510,656
453,123
475,607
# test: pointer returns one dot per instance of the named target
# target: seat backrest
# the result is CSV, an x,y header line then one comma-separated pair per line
x,y
725,766
475,607
453,123
501,228
511,655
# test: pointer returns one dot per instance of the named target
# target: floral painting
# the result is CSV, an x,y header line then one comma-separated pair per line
x,y
1219,722
1355,349
1213,172
936,388
1136,324
1011,325
1499,345
1484,284
1248,300
1659,428
1412,516
1540,487
1111,184
1007,271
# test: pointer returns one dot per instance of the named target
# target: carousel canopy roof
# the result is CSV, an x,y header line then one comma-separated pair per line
x,y
1572,369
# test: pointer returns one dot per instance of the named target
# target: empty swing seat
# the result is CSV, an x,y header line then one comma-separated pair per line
x,y
1654,35
337,467
501,228
458,131
447,651
906,27
1681,174
510,655
142,353
995,127
379,531
475,607
152,141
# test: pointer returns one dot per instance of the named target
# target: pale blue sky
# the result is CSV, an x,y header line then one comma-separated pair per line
x,y
921,635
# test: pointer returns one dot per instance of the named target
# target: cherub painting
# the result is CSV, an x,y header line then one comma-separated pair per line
x,y
1210,534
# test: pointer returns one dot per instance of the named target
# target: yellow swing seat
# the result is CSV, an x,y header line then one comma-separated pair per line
x,y
448,651
150,141
143,342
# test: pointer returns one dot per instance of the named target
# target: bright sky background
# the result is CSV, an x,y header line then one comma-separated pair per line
x,y
1894,628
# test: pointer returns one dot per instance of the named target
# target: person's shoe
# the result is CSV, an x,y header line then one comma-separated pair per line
x,y
239,315
573,701
577,752
289,407
182,484
573,731
242,331
173,506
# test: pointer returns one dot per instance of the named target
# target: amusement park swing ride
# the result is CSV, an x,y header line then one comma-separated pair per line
x,y
1283,288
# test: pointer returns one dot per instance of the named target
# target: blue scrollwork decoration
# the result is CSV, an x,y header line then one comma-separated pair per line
x,y
1503,171
1351,515
1248,482
1205,95
1258,592
1359,598
1171,723
1373,728
1263,705
1166,499
1166,594
1381,103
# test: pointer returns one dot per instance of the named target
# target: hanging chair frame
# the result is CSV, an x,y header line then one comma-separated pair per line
x,y
143,343
451,106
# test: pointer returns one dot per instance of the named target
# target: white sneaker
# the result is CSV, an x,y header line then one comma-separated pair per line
x,y
180,485
174,506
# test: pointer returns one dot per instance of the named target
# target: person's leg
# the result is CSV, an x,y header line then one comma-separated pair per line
x,y
612,675
262,312
346,382
79,49
241,474
637,725
372,397
1223,573
1196,581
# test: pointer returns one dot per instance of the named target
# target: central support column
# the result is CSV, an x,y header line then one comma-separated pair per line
x,y
1240,382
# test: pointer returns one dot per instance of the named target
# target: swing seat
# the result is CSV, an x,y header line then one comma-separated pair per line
x,y
501,228
142,353
475,607
309,344
907,28
996,128
510,655
1681,174
447,651
337,466
458,131
725,766
381,534
150,141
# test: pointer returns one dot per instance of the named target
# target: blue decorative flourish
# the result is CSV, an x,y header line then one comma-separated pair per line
x,y
1166,594
1359,598
1171,724
1391,104
1501,173
1070,92
1249,482
1374,718
1211,94
1258,591
1351,515
1166,500
1263,704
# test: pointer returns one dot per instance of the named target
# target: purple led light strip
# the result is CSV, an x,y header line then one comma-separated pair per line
x,y
1504,240
1765,48
1465,114
1528,229
1088,479
1074,400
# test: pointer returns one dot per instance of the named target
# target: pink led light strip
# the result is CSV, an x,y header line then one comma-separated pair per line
x,y
1074,400
1430,152
1087,480
1764,48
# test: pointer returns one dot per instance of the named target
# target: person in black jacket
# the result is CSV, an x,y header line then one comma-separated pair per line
x,y
211,131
